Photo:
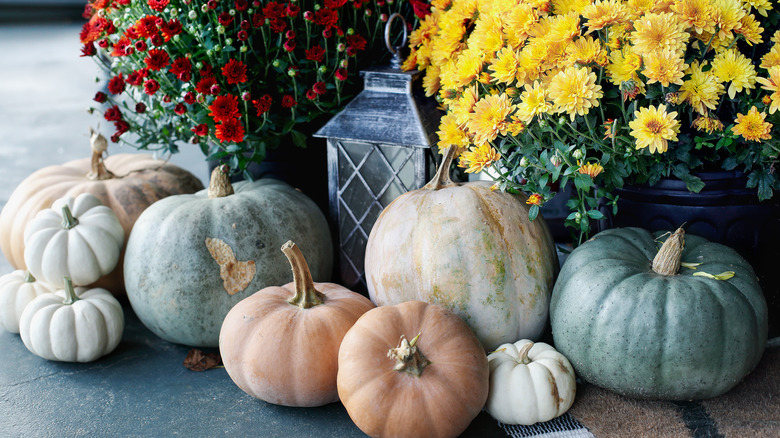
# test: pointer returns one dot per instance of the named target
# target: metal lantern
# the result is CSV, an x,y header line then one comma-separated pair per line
x,y
379,147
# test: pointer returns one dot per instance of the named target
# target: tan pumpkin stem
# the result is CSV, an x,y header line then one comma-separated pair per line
x,y
99,146
68,221
219,185
442,178
28,277
667,261
70,292
408,358
306,295
522,355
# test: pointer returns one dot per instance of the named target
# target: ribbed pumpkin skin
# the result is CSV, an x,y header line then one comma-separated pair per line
x,y
174,283
645,335
141,181
471,250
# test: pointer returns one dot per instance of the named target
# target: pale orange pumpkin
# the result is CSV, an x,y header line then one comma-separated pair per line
x,y
281,344
433,386
126,183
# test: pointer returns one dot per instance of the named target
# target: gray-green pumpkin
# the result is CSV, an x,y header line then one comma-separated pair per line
x,y
191,258
632,320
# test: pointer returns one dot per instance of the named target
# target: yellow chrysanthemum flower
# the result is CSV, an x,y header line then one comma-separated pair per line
x,y
431,80
771,58
772,83
517,24
478,158
533,101
451,133
487,36
586,50
532,58
563,7
653,128
665,66
708,124
574,91
659,32
752,126
696,14
603,13
751,29
591,169
638,8
490,118
732,66
702,90
624,66
505,67
468,66
462,106
727,16
557,28
761,6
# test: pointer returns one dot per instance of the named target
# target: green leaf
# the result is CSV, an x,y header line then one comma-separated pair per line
x,y
596,215
533,212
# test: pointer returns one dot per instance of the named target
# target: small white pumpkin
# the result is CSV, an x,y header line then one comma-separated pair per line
x,y
529,383
73,324
80,238
17,289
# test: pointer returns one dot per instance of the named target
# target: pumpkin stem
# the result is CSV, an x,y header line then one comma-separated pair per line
x,y
99,146
306,295
408,358
667,261
442,178
68,221
28,277
219,185
522,355
70,293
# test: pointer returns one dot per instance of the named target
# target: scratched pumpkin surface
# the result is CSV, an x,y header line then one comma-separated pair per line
x,y
190,259
471,250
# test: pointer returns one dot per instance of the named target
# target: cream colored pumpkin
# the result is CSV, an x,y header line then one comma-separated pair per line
x,y
80,238
73,324
17,289
467,248
529,383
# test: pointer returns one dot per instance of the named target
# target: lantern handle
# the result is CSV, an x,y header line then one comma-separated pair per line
x,y
395,50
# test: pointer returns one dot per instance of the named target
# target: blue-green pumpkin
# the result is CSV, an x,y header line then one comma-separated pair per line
x,y
191,258
632,320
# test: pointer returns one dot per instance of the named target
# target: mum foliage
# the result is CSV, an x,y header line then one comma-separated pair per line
x,y
234,76
603,93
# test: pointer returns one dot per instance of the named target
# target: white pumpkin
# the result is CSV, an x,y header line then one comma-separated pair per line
x,y
17,289
73,324
529,383
80,238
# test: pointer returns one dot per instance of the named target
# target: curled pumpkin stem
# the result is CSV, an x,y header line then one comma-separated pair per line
x,y
408,358
306,295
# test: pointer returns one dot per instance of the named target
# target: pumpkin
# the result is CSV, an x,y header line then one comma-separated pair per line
x,y
126,183
281,344
17,289
80,238
412,369
529,383
73,324
688,321
467,248
191,258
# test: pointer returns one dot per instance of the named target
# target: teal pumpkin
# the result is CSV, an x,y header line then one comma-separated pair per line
x,y
191,258
632,320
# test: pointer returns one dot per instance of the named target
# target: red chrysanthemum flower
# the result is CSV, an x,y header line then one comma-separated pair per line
x,y
157,5
224,108
204,85
157,40
293,10
170,28
319,87
151,86
421,8
326,17
341,74
117,84
140,107
201,130
92,30
182,68
275,10
315,54
189,97
258,20
146,27
88,50
335,4
136,77
262,105
141,46
311,95
289,45
121,46
288,101
131,33
242,5
100,97
230,130
234,71
277,25
356,42
180,109
224,18
113,114
104,43
121,127
157,59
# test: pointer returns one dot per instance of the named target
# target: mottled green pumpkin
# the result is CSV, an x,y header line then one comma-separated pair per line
x,y
470,249
191,258
631,320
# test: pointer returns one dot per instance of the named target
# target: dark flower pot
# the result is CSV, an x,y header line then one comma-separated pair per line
x,y
724,211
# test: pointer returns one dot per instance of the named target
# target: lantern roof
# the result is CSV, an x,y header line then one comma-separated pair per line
x,y
389,110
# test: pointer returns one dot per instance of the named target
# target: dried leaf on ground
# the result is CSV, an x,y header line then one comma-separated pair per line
x,y
197,360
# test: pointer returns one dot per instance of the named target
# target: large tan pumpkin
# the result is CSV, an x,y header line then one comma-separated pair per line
x,y
126,183
467,248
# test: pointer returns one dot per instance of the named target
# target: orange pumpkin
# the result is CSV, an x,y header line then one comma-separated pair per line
x,y
127,183
281,344
433,386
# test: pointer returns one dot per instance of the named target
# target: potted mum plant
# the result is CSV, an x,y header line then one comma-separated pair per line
x,y
606,94
238,78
